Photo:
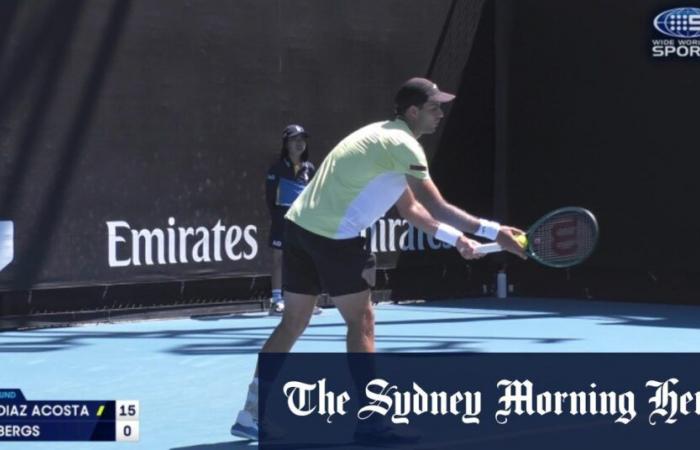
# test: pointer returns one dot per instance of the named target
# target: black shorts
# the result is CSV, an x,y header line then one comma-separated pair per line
x,y
313,264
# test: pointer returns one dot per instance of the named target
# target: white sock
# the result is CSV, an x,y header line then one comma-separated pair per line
x,y
253,390
276,295
251,402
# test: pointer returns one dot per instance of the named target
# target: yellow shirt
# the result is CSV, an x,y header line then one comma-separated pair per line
x,y
360,179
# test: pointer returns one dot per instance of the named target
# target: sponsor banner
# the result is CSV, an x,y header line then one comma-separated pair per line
x,y
120,250
179,245
391,236
478,401
126,249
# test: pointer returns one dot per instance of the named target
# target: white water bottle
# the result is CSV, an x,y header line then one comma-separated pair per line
x,y
501,284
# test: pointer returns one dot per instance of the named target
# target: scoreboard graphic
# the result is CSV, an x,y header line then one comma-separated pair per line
x,y
67,420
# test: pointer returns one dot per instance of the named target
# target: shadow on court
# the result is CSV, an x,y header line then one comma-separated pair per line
x,y
622,313
220,446
254,445
279,446
412,327
249,340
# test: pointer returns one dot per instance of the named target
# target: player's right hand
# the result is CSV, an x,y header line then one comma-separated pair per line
x,y
466,246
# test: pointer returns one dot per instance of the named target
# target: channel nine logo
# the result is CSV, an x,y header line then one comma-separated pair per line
x,y
682,24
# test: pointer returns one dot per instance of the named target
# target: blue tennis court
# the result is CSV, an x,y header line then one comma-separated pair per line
x,y
191,374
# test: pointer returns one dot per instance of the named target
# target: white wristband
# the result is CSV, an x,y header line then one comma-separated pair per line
x,y
447,234
488,229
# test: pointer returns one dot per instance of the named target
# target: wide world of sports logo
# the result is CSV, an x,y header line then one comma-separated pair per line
x,y
682,25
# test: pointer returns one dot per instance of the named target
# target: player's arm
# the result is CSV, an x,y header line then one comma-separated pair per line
x,y
411,210
428,195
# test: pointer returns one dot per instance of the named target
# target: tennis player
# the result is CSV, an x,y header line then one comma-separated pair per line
x,y
372,169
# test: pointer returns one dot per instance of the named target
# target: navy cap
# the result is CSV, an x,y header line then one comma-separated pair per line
x,y
417,91
293,130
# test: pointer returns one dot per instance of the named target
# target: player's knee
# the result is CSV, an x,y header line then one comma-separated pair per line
x,y
294,324
363,321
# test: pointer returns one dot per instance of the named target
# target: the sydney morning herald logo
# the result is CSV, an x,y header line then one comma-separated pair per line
x,y
682,26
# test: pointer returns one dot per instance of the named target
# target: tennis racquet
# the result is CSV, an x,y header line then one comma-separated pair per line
x,y
563,238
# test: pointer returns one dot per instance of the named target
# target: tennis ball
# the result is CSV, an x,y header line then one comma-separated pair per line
x,y
522,240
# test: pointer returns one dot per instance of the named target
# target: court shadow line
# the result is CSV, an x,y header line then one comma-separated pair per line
x,y
220,446
279,446
65,339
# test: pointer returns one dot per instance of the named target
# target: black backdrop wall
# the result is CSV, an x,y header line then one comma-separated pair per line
x,y
128,123
135,136
593,119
